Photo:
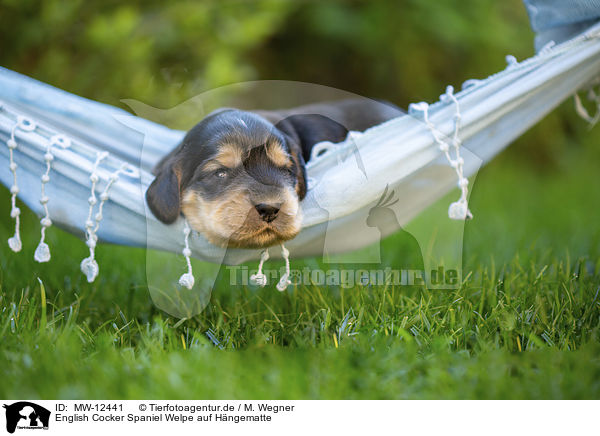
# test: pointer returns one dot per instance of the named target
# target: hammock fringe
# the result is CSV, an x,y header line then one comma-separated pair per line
x,y
58,151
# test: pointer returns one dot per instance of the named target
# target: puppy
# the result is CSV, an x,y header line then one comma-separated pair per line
x,y
238,176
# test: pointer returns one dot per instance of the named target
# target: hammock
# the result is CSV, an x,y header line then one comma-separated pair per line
x,y
85,166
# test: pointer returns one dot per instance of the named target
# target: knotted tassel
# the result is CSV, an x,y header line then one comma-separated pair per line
x,y
284,281
187,279
260,279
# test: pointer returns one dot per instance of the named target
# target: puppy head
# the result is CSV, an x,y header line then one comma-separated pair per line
x,y
237,179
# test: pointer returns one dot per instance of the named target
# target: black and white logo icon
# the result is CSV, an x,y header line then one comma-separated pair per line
x,y
26,415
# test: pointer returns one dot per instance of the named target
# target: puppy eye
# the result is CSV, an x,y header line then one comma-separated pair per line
x,y
221,174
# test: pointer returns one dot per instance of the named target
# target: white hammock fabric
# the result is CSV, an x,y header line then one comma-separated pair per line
x,y
85,166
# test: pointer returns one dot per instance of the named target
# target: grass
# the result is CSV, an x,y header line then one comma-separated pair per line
x,y
524,324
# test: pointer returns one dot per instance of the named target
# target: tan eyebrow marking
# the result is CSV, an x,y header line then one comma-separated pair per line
x,y
212,165
277,154
229,156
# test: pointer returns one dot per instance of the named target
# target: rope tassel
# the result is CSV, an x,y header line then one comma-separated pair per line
x,y
459,210
260,279
89,265
594,98
284,281
187,279
26,125
42,252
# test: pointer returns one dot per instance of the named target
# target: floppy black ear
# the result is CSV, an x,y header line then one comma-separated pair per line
x,y
300,164
305,130
309,129
163,195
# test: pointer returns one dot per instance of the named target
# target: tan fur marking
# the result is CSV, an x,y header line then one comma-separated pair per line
x,y
212,165
230,155
233,221
277,155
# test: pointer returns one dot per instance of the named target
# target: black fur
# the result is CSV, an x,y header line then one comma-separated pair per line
x,y
298,130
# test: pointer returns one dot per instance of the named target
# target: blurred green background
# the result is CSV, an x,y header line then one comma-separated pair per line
x,y
163,53
531,253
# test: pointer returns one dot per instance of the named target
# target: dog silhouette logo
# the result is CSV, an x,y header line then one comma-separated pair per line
x,y
26,415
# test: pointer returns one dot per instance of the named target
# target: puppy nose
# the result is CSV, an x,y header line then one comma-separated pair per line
x,y
268,212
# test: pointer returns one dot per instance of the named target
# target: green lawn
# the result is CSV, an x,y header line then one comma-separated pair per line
x,y
525,323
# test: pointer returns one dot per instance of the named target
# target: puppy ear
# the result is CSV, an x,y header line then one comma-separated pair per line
x,y
163,195
296,154
305,130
